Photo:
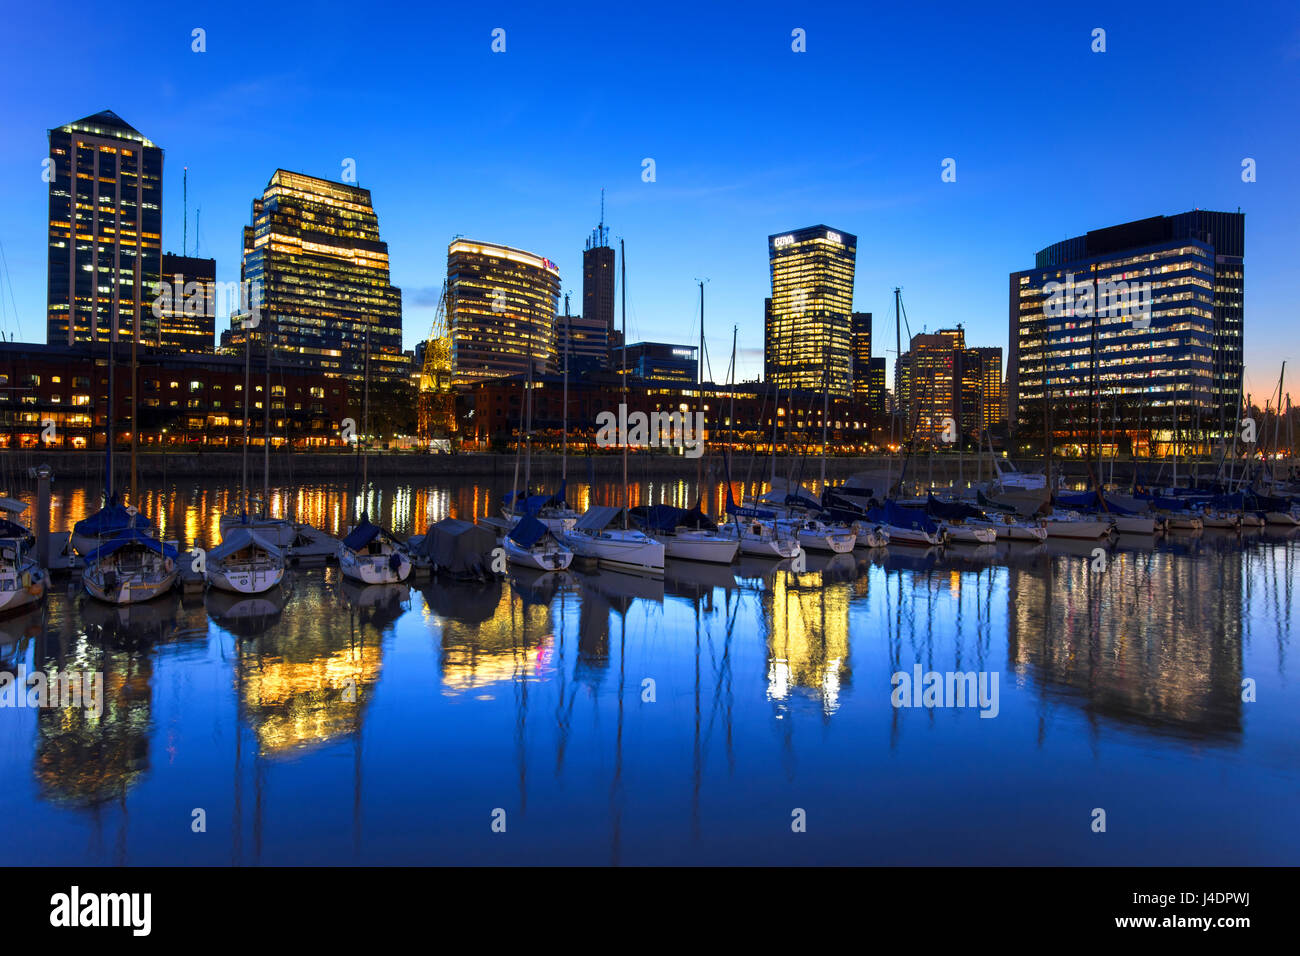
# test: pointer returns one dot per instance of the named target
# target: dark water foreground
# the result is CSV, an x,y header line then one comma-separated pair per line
x,y
333,725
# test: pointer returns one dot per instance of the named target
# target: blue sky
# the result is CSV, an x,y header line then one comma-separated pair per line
x,y
749,138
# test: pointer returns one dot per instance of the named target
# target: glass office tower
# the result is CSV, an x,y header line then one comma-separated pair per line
x,y
505,303
808,334
105,232
1130,336
313,253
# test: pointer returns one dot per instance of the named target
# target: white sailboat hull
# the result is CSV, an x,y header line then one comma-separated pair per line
x,y
126,588
1136,524
914,536
22,586
548,558
1083,528
835,542
628,550
712,548
1281,518
373,568
244,580
970,534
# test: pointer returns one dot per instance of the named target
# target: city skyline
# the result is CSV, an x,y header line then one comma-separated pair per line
x,y
719,191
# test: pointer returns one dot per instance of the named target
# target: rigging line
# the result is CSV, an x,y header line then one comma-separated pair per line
x,y
9,279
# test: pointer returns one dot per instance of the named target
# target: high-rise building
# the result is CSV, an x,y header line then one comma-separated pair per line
x,y
860,330
808,336
504,305
927,382
979,397
318,273
663,362
1135,330
105,232
187,304
598,272
878,396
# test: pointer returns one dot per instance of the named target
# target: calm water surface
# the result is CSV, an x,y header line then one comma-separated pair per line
x,y
338,725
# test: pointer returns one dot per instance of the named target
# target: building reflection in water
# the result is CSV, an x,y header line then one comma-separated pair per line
x,y
806,619
1154,641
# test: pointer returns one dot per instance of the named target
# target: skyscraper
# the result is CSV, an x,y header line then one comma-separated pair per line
x,y
598,264
860,328
319,272
188,305
105,232
505,303
808,337
928,382
1143,320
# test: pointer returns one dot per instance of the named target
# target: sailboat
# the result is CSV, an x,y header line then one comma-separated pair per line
x,y
369,553
255,514
592,535
690,534
530,541
531,544
22,579
246,562
127,565
553,511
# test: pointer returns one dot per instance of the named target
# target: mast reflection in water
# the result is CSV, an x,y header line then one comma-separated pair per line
x,y
620,719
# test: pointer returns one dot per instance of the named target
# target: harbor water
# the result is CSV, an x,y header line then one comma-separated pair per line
x,y
749,714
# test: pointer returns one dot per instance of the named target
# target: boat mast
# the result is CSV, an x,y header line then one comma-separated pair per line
x,y
622,265
365,426
826,405
564,426
528,425
699,402
248,349
135,412
266,438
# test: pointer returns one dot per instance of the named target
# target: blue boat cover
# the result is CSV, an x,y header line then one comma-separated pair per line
x,y
951,510
363,534
739,512
110,520
895,514
528,504
128,537
9,529
528,532
667,518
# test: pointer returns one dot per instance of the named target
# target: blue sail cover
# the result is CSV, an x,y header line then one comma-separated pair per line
x,y
895,514
528,532
665,518
521,502
110,520
362,535
10,530
951,510
129,537
739,512
797,500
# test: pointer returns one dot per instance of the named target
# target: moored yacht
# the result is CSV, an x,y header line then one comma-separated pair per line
x,y
596,536
245,562
130,567
531,544
371,555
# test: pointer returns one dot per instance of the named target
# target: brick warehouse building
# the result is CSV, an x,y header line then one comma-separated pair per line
x,y
191,400
488,413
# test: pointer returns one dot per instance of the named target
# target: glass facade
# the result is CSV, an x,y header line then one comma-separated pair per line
x,y
188,304
105,232
808,335
1130,335
860,328
504,306
318,271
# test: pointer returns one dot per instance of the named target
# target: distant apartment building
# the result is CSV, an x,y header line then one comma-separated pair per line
x,y
980,400
105,232
926,381
504,307
808,339
1144,321
319,276
878,395
585,341
186,307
